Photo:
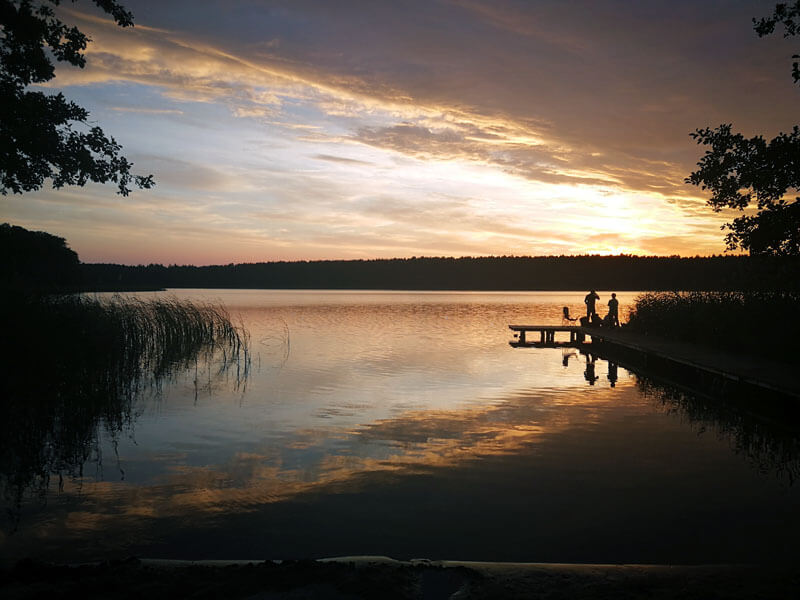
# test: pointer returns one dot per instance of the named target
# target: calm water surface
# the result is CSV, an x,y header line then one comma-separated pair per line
x,y
403,424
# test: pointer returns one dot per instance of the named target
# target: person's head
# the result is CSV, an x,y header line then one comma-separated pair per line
x,y
613,295
591,291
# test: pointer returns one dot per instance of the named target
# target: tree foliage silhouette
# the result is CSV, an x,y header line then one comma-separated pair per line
x,y
738,170
787,15
35,261
45,135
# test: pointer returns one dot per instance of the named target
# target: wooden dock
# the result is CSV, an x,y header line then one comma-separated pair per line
x,y
646,352
547,335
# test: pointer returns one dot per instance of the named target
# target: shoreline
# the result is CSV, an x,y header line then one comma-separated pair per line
x,y
743,371
701,368
349,577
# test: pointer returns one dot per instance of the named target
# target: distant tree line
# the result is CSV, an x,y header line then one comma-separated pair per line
x,y
39,261
485,273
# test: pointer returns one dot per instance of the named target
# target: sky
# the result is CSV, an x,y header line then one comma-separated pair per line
x,y
348,129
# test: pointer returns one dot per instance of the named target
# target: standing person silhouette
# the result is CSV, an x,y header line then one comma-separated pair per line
x,y
589,373
589,300
613,311
612,373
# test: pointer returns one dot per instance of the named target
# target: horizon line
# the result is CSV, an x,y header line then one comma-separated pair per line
x,y
455,258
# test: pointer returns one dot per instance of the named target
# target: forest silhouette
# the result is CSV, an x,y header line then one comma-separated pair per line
x,y
468,273
35,260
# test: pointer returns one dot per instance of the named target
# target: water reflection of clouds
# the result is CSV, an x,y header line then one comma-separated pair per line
x,y
359,359
316,420
555,466
315,459
371,399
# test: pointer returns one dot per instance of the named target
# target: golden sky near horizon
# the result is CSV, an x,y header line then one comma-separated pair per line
x,y
366,129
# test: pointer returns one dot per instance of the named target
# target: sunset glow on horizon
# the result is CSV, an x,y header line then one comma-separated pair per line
x,y
347,130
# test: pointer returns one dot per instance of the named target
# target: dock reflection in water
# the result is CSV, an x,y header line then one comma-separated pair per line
x,y
404,425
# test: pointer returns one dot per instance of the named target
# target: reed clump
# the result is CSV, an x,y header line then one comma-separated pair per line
x,y
75,364
759,323
118,339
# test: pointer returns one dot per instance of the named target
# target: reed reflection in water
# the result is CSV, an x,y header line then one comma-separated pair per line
x,y
772,447
404,424
80,365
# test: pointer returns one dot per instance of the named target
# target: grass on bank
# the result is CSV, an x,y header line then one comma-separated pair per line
x,y
757,323
118,337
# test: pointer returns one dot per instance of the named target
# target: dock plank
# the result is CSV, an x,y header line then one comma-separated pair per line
x,y
551,328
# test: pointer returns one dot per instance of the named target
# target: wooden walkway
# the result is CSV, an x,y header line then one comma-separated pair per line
x,y
739,367
547,334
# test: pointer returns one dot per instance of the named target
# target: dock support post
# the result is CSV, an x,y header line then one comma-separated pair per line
x,y
522,337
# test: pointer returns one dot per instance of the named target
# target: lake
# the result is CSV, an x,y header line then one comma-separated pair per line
x,y
403,424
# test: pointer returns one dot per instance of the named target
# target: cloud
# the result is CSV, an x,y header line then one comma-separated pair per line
x,y
183,174
467,127
195,71
148,111
342,160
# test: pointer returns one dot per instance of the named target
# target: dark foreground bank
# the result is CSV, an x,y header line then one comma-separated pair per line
x,y
368,577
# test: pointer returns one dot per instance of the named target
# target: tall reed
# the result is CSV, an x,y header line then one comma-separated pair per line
x,y
75,364
761,323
